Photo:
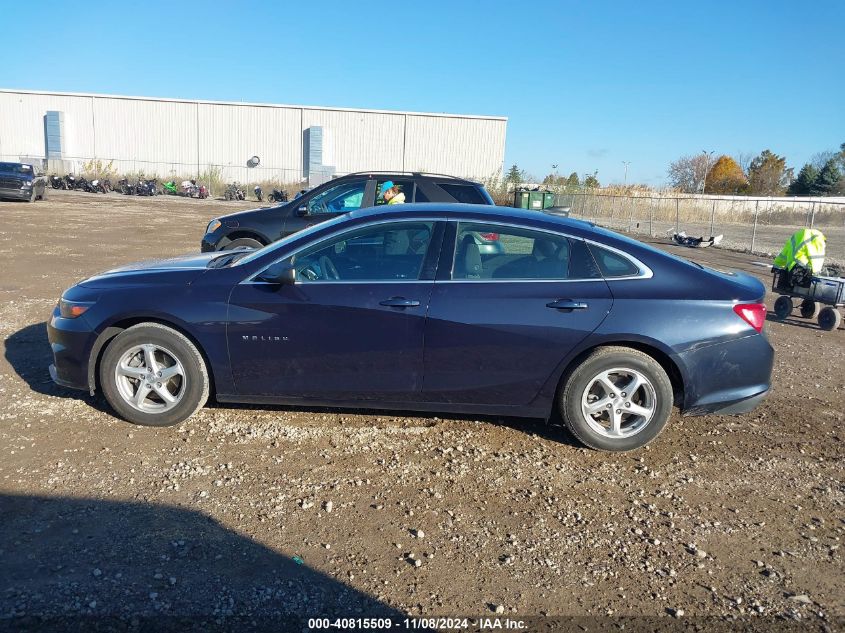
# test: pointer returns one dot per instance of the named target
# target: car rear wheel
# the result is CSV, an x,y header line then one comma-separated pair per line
x,y
617,399
153,375
243,242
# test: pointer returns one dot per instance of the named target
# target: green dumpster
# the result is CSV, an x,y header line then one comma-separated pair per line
x,y
520,199
536,200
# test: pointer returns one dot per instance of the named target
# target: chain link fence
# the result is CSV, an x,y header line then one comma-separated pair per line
x,y
755,225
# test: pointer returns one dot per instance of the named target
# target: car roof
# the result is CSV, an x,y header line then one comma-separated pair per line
x,y
456,210
404,175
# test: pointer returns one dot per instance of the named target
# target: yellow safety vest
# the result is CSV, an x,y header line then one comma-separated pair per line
x,y
805,247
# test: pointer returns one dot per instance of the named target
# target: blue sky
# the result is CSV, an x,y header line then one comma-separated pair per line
x,y
586,85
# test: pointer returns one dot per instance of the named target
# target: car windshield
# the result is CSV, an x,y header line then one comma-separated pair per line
x,y
252,256
16,168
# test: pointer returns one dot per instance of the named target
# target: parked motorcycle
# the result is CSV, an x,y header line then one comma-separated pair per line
x,y
146,187
278,196
234,192
100,186
203,192
125,187
70,182
57,182
170,188
259,195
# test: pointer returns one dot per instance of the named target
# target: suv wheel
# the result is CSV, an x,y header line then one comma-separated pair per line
x,y
153,375
617,399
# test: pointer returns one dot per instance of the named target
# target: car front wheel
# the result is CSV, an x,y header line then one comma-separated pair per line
x,y
153,375
617,399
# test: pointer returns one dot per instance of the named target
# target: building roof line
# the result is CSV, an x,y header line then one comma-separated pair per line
x,y
251,104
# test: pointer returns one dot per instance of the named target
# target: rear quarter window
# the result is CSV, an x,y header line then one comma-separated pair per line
x,y
466,194
613,264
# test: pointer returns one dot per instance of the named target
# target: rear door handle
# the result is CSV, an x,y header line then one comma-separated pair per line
x,y
399,302
567,304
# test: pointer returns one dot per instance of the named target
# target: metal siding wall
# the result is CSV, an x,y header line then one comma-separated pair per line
x,y
152,137
456,146
22,124
172,138
360,141
230,134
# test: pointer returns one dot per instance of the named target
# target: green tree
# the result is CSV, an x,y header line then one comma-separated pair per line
x,y
515,175
768,175
573,181
828,181
803,184
590,181
726,177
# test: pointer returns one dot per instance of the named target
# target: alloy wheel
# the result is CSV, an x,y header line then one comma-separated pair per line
x,y
150,378
619,402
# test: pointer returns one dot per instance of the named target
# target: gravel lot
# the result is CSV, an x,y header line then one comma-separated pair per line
x,y
274,511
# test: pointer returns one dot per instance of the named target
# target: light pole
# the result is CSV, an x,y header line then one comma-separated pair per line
x,y
707,156
626,163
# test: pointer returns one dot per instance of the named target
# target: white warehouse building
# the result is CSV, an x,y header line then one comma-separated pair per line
x,y
181,138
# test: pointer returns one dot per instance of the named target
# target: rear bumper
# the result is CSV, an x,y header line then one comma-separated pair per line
x,y
729,378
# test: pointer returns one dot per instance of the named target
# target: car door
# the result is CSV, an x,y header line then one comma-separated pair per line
x,y
501,320
328,202
351,327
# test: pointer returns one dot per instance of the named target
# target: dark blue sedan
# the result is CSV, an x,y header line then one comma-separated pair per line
x,y
399,308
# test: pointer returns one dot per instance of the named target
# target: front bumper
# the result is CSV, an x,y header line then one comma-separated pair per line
x,y
71,341
15,194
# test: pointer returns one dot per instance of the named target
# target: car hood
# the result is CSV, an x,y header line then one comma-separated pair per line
x,y
176,270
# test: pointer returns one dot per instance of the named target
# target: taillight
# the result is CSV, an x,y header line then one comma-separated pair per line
x,y
752,313
490,237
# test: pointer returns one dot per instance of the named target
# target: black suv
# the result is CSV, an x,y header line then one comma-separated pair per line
x,y
259,227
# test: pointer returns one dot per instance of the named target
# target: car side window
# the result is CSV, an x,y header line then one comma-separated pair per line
x,y
613,265
491,252
406,188
342,198
467,194
384,252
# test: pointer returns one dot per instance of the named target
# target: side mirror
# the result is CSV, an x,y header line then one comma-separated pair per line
x,y
302,211
282,273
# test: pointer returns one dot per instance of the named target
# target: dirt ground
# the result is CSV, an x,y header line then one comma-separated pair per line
x,y
277,511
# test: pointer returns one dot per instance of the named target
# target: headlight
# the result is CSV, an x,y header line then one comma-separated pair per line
x,y
212,226
26,185
73,309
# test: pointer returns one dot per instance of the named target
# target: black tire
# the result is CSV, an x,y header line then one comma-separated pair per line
x,y
242,241
810,309
830,319
580,379
193,392
783,307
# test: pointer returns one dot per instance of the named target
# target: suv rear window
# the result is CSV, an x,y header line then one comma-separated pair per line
x,y
467,194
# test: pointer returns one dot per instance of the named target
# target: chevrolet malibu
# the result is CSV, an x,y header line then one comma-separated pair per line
x,y
397,308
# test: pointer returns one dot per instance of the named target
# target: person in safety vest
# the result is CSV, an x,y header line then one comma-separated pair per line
x,y
391,193
802,256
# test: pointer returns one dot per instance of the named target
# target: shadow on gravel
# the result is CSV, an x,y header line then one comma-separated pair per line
x,y
551,430
794,321
28,352
88,564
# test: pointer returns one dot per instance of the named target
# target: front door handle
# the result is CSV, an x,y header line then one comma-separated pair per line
x,y
567,304
399,302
